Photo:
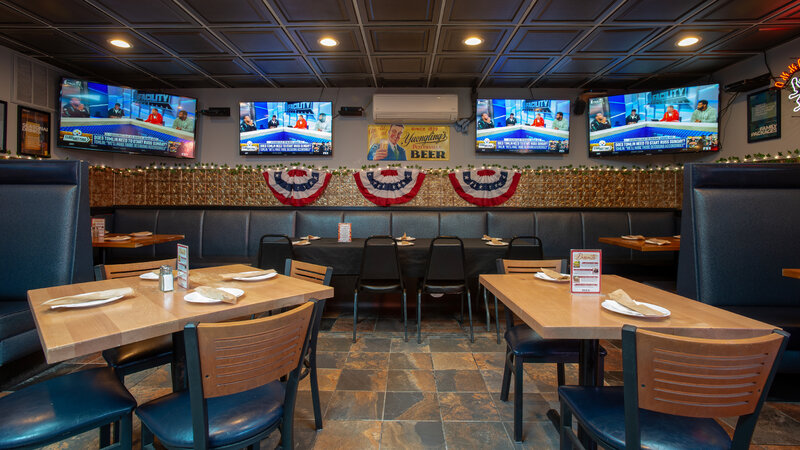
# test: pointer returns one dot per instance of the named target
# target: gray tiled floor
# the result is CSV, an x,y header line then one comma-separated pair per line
x,y
382,392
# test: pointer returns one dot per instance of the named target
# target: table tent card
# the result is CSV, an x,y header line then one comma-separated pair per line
x,y
183,266
345,232
587,271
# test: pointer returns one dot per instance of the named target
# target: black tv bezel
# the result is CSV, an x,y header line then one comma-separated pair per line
x,y
652,152
508,152
121,151
311,155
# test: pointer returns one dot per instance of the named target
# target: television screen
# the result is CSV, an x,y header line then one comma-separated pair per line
x,y
667,121
285,128
522,126
96,116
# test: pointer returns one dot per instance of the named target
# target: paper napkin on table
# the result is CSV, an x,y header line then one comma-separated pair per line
x,y
622,297
216,294
142,233
633,237
248,274
555,275
655,241
89,297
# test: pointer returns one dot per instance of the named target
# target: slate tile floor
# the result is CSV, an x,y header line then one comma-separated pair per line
x,y
382,392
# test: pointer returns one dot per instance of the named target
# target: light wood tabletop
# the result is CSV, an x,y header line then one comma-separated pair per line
x,y
71,332
135,241
553,312
791,273
640,244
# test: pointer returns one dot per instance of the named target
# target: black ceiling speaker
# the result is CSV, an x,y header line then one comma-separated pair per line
x,y
748,84
216,112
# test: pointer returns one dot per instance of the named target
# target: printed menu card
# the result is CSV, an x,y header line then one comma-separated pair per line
x,y
587,269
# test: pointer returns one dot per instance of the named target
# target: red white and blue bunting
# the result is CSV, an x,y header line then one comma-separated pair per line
x,y
297,187
485,187
386,187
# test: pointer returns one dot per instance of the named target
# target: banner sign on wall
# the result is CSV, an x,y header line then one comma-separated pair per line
x,y
763,115
398,142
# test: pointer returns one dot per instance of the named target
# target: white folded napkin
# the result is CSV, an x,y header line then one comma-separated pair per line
x,y
89,297
248,274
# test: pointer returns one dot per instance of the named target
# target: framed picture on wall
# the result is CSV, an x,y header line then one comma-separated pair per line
x,y
3,124
763,115
33,132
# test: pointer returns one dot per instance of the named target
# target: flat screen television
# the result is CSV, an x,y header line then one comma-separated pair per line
x,y
679,120
285,128
522,126
96,116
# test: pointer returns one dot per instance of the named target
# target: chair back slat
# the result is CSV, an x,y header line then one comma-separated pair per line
x,y
380,260
111,271
446,259
238,356
309,272
697,377
530,266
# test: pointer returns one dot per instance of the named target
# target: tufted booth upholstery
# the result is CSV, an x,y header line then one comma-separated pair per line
x,y
739,225
46,241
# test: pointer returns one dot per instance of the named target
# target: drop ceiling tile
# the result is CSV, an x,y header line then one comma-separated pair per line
x,y
644,66
708,36
326,11
148,12
222,66
9,16
611,83
510,65
544,39
400,39
568,11
460,64
480,11
620,40
412,11
583,64
704,64
452,39
349,39
237,12
198,82
655,11
48,41
553,81
507,82
739,10
336,64
100,37
759,38
163,66
402,82
666,81
108,68
65,12
277,66
454,81
289,82
190,42
255,40
350,81
244,81
407,64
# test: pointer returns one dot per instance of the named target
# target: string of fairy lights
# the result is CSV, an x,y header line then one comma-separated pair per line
x,y
789,157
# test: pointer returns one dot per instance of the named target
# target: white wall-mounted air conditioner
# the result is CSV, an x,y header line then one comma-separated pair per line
x,y
415,108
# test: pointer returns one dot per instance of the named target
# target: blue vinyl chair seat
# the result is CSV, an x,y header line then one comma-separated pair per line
x,y
62,407
527,343
133,354
231,418
602,412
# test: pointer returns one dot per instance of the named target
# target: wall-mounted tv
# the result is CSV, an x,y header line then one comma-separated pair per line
x,y
522,126
667,121
96,116
285,128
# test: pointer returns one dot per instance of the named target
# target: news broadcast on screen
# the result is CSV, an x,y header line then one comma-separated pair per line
x,y
285,128
522,126
684,119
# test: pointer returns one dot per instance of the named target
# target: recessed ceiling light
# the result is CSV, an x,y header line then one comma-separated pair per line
x,y
120,43
329,42
687,41
474,40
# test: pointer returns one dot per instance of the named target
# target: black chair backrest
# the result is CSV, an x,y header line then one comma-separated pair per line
x,y
379,260
273,251
446,259
525,248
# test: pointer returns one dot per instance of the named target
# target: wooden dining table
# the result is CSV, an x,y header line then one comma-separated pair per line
x,y
554,313
134,241
791,273
67,333
642,246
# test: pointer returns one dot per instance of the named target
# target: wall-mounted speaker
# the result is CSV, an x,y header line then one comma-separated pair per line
x,y
216,112
579,107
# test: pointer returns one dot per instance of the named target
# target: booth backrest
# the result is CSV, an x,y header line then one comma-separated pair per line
x,y
219,235
46,227
739,227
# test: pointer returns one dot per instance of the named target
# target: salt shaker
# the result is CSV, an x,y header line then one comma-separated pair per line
x,y
165,281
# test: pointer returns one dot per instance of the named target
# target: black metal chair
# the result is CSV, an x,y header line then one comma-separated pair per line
x,y
66,406
445,274
674,389
523,345
273,251
235,397
321,275
380,273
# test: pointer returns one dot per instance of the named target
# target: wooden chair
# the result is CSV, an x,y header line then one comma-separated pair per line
x,y
235,397
320,275
131,358
674,388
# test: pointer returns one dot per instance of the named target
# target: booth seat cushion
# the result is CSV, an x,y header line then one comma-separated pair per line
x,y
508,224
319,223
423,224
186,222
231,418
560,232
19,345
368,223
268,222
15,318
785,317
466,224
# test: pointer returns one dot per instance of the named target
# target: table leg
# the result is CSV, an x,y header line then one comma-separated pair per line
x,y
178,366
